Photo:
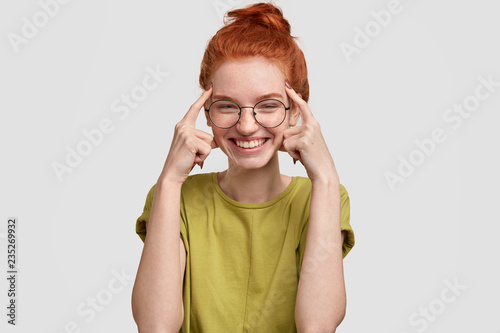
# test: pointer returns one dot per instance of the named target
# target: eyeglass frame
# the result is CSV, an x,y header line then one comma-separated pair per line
x,y
246,107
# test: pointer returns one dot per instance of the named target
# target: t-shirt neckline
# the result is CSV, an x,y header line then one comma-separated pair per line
x,y
271,202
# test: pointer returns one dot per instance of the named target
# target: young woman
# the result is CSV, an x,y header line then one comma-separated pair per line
x,y
258,251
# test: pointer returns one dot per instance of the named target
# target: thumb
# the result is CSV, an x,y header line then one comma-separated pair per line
x,y
295,155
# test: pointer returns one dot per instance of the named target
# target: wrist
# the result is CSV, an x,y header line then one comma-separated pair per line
x,y
169,182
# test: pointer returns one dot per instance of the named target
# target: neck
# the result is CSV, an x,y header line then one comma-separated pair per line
x,y
253,185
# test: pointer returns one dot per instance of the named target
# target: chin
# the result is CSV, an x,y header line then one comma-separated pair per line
x,y
251,164
251,161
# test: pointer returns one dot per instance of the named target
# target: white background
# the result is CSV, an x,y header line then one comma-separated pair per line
x,y
74,235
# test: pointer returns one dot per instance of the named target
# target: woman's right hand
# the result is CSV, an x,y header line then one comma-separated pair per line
x,y
190,146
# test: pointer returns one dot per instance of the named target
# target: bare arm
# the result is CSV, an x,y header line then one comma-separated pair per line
x,y
321,297
157,295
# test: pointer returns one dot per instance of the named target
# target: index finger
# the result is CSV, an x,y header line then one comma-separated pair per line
x,y
303,107
194,110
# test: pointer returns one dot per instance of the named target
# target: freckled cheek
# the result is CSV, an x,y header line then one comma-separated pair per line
x,y
219,135
221,138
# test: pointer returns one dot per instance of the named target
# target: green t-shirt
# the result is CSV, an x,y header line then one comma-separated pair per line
x,y
243,259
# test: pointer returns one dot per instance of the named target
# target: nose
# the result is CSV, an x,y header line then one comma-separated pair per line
x,y
247,123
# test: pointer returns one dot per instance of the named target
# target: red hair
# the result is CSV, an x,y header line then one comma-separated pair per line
x,y
257,30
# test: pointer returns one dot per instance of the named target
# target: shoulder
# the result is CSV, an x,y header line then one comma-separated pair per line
x,y
198,182
192,183
200,177
149,197
304,186
343,193
198,189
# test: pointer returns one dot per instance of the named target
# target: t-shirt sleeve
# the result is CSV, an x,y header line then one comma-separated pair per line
x,y
142,221
345,221
345,225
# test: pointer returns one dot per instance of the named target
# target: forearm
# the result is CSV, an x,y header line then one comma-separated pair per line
x,y
321,297
157,294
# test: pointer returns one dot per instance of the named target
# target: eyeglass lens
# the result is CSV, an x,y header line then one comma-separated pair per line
x,y
268,113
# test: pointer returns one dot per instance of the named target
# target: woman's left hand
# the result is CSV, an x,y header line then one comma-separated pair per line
x,y
306,144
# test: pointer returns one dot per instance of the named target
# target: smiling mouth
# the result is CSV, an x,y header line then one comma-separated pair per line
x,y
249,144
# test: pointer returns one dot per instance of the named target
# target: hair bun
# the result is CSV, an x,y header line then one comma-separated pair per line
x,y
263,14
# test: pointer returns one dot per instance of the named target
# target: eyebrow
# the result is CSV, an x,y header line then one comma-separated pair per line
x,y
271,95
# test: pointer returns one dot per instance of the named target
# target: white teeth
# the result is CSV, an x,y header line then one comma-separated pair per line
x,y
250,144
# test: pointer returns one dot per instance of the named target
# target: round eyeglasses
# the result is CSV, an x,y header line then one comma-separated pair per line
x,y
268,113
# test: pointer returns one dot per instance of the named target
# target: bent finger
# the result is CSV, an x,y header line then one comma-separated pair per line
x,y
204,150
289,132
291,146
208,138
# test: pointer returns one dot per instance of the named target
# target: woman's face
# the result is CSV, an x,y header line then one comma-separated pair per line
x,y
246,82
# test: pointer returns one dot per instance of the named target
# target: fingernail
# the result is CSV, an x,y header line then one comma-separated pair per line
x,y
288,85
209,86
